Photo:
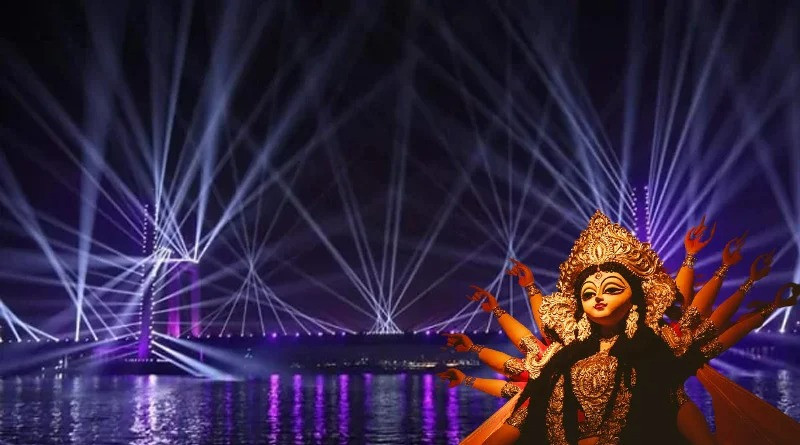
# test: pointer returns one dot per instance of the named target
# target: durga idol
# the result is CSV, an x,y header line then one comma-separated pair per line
x,y
610,369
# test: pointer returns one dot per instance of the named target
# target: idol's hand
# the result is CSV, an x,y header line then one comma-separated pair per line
x,y
792,299
521,271
453,375
731,257
757,273
692,241
459,342
480,294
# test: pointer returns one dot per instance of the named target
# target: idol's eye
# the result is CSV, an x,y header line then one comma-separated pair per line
x,y
613,290
587,295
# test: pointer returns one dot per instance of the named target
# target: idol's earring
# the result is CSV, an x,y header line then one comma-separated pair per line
x,y
630,322
584,328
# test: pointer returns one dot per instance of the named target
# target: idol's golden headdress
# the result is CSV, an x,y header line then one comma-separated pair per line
x,y
601,242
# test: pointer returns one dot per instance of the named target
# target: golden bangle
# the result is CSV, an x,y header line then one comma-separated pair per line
x,y
689,261
767,310
722,271
509,390
532,290
712,349
746,286
690,319
498,311
476,348
705,331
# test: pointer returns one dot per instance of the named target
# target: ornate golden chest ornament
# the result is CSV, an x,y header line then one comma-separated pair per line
x,y
593,383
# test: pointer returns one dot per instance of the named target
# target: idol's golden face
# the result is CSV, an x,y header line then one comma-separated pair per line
x,y
606,298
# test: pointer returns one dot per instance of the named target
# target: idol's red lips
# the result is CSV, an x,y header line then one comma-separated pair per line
x,y
599,306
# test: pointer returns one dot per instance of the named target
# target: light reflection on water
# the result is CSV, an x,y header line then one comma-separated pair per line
x,y
273,414
339,409
344,407
428,409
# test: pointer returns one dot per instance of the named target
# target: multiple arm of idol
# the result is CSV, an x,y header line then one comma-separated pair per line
x,y
693,311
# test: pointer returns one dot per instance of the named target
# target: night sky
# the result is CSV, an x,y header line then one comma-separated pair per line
x,y
433,138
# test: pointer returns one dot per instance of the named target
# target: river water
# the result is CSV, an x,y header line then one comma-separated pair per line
x,y
282,409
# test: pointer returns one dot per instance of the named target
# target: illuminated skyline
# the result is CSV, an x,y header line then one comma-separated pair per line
x,y
346,170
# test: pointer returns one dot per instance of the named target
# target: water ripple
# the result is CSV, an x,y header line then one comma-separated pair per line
x,y
283,409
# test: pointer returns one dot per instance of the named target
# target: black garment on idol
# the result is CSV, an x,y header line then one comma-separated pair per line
x,y
652,417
